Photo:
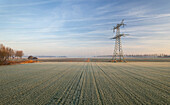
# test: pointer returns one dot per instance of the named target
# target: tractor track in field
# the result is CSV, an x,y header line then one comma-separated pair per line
x,y
147,81
108,79
25,76
109,90
76,86
58,79
33,75
155,71
81,87
99,93
69,90
130,91
55,98
151,85
78,90
126,91
139,69
155,68
152,70
101,78
30,78
82,94
23,92
89,79
29,91
143,77
132,75
85,83
62,99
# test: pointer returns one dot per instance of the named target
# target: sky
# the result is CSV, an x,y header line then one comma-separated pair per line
x,y
84,27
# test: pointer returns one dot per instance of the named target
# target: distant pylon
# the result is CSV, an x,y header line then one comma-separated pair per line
x,y
118,51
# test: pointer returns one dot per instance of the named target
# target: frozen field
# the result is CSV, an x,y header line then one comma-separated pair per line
x,y
89,83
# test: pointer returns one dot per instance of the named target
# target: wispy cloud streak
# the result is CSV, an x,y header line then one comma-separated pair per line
x,y
64,24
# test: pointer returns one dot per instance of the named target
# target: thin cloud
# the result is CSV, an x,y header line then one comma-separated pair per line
x,y
29,4
76,24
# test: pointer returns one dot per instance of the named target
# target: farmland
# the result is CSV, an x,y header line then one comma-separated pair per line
x,y
89,83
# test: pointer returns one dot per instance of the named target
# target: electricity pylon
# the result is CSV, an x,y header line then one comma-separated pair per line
x,y
118,51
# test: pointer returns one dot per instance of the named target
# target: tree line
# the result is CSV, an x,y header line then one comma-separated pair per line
x,y
7,53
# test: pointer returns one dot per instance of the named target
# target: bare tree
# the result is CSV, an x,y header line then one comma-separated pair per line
x,y
6,53
19,54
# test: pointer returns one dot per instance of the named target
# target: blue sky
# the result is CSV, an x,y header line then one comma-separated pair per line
x,y
83,27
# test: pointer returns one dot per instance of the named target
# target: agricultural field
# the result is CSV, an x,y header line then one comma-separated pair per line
x,y
104,59
90,83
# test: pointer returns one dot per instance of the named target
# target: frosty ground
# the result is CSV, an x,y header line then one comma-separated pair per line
x,y
89,83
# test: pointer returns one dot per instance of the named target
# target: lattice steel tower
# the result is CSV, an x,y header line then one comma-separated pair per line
x,y
118,51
